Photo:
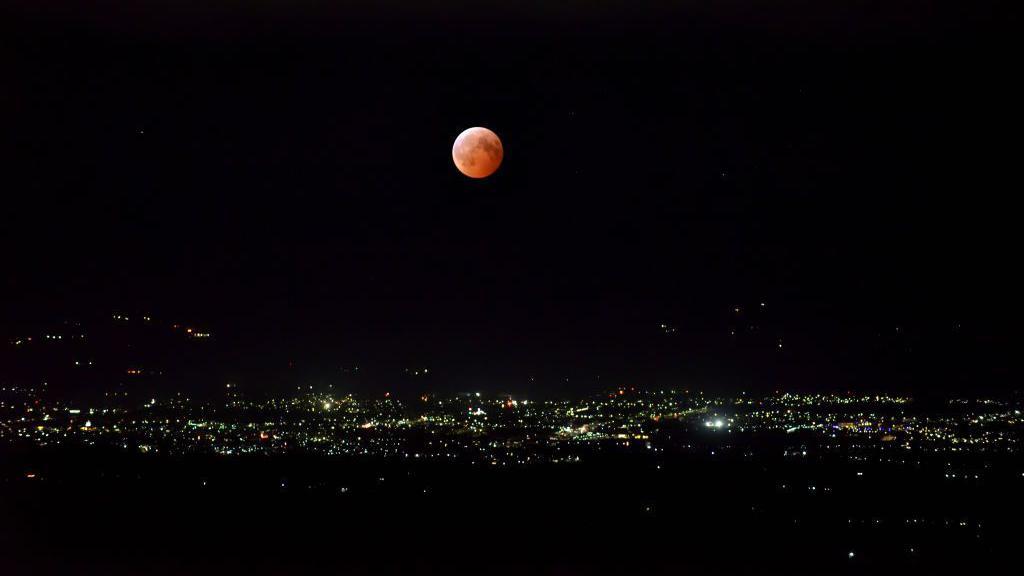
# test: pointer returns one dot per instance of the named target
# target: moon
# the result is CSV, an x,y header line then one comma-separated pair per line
x,y
477,152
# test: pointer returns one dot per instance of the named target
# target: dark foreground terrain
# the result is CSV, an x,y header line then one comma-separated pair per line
x,y
90,511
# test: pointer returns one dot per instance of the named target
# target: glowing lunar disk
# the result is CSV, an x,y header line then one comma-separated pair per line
x,y
477,152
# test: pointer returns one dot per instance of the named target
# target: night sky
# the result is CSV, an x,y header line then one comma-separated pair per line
x,y
282,174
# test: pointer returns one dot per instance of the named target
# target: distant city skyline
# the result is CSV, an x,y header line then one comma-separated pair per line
x,y
532,287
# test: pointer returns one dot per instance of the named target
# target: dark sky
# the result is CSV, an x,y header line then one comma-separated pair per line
x,y
282,174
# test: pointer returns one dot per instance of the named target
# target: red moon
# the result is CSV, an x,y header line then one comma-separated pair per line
x,y
477,152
